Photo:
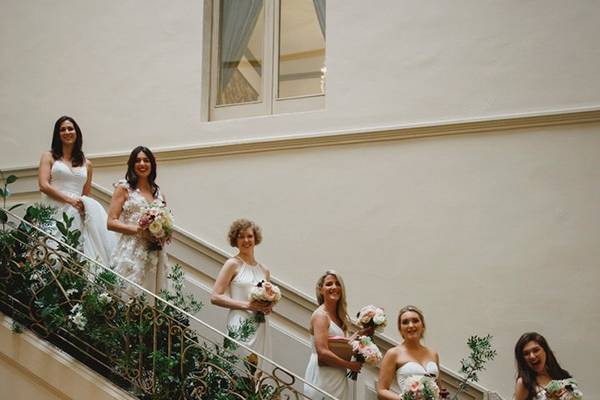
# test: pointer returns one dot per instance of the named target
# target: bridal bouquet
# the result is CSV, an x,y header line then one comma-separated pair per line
x,y
420,387
157,222
366,351
563,389
264,292
372,317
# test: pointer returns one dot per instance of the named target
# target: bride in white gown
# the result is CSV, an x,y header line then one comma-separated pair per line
x,y
65,180
133,257
325,369
408,359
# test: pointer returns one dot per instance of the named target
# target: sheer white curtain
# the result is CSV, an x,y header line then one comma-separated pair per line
x,y
238,19
320,6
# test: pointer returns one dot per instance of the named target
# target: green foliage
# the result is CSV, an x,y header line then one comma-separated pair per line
x,y
54,297
16,327
481,351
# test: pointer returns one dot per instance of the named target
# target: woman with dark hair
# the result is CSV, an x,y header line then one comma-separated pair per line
x,y
65,180
325,369
134,257
539,375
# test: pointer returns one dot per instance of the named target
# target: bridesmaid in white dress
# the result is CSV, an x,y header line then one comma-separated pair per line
x,y
132,257
409,358
537,366
65,180
325,369
236,279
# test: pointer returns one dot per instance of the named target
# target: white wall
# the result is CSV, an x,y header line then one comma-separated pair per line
x,y
130,71
492,233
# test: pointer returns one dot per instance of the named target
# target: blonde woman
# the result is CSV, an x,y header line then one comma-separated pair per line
x,y
325,369
410,357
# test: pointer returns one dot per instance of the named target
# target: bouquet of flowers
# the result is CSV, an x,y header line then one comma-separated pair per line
x,y
157,222
563,389
264,292
371,317
366,351
420,387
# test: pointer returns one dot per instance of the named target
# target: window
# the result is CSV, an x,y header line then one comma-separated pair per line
x,y
268,57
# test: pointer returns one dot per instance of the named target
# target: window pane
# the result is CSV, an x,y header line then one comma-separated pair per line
x,y
241,37
301,48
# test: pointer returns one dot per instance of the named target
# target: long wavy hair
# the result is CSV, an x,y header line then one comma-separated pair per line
x,y
342,307
528,375
77,156
131,176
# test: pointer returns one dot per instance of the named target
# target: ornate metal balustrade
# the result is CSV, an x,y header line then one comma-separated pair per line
x,y
151,346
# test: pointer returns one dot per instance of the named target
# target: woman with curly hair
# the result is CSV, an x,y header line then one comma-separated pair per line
x,y
232,289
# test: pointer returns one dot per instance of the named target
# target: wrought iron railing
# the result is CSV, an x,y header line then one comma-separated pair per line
x,y
149,345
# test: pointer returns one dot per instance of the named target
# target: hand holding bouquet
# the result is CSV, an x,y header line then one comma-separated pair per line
x,y
157,225
364,351
420,387
563,389
264,292
371,317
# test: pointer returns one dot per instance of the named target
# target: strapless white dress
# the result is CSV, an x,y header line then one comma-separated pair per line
x,y
97,242
331,379
414,369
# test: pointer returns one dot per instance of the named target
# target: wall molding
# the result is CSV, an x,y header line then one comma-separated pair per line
x,y
352,136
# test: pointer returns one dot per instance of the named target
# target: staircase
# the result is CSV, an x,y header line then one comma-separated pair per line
x,y
201,262
149,346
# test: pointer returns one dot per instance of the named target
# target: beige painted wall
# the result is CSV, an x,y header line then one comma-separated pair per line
x,y
493,233
131,71
31,368
20,385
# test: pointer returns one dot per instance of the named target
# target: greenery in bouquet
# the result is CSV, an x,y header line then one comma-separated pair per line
x,y
563,389
420,387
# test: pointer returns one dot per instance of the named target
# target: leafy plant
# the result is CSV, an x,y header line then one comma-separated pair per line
x,y
5,194
481,351
133,343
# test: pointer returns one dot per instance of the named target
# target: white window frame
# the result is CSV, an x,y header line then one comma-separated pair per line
x,y
269,103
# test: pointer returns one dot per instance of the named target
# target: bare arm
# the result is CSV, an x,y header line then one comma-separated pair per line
x,y
114,212
387,371
87,188
44,178
521,391
443,391
320,327
219,296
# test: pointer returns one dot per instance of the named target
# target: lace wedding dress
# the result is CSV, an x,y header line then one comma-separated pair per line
x,y
131,257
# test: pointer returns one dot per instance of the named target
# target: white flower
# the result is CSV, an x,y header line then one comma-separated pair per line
x,y
155,228
379,319
36,276
104,298
71,292
77,317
